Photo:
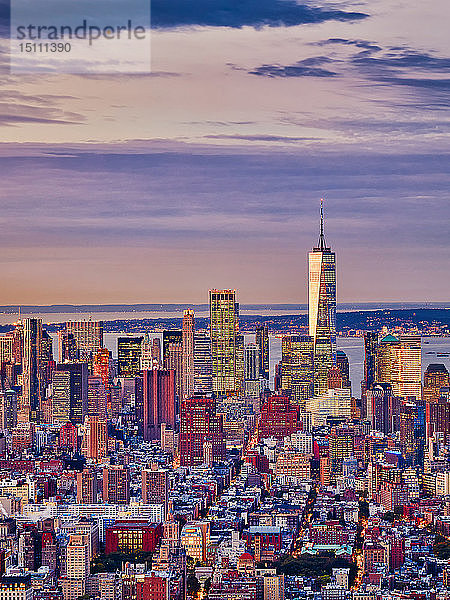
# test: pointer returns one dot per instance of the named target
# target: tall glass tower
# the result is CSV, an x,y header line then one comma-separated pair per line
x,y
224,324
322,309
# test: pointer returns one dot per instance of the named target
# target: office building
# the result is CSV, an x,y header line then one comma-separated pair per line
x,y
155,485
87,486
435,378
88,336
399,362
132,536
60,397
158,402
129,356
32,376
262,341
173,356
297,367
224,324
333,404
116,484
322,309
188,353
202,363
97,397
78,390
67,347
95,439
279,418
380,407
201,431
101,366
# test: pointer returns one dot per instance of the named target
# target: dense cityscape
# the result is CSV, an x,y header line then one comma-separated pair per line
x,y
185,468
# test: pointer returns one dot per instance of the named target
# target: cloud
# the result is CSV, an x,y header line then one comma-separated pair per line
x,y
17,107
258,138
252,13
308,67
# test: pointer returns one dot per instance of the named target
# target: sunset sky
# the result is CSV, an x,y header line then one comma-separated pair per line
x,y
208,171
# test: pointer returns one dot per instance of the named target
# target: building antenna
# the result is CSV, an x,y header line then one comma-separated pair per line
x,y
322,236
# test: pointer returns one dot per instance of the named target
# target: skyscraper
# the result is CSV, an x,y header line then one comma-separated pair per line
x,y
370,360
223,329
262,341
88,336
297,362
78,390
31,367
173,356
158,402
60,397
95,441
129,356
252,370
202,363
101,366
399,362
97,397
322,309
188,353
116,484
201,432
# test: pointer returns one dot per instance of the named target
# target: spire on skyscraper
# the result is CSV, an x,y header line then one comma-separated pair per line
x,y
321,245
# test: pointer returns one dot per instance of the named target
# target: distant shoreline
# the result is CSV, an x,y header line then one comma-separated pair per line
x,y
421,321
167,307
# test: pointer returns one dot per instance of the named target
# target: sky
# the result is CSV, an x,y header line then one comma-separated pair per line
x,y
207,171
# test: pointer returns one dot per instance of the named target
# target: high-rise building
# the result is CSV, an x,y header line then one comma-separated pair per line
x,y
150,353
224,324
101,365
173,356
97,397
340,448
399,362
279,418
333,404
155,485
78,557
370,360
322,309
252,370
78,390
95,440
297,362
68,437
88,336
239,362
436,377
116,484
87,486
67,347
252,356
60,397
201,429
129,356
202,363
344,368
48,365
188,353
158,402
262,341
380,407
32,387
